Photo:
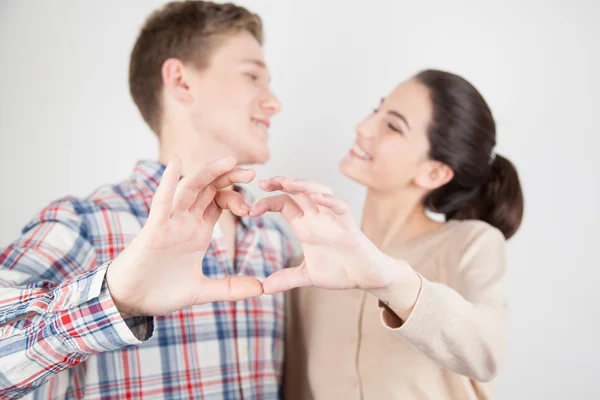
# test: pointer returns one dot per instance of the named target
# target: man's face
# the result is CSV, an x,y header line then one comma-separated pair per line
x,y
232,102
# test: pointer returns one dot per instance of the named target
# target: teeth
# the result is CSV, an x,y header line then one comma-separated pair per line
x,y
360,152
260,124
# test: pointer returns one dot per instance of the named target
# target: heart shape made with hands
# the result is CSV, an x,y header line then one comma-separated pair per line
x,y
179,228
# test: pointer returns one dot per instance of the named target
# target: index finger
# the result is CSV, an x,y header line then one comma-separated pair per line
x,y
237,175
282,204
294,186
188,189
211,172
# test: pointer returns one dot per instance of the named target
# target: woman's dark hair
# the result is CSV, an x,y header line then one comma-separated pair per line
x,y
462,135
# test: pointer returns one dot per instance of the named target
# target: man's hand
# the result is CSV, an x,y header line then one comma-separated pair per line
x,y
161,270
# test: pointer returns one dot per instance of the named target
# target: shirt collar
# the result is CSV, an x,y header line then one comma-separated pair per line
x,y
148,173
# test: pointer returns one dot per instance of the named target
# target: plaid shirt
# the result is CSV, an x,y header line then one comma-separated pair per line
x,y
62,337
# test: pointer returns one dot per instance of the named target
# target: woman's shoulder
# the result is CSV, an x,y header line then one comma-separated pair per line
x,y
475,239
474,229
454,242
459,235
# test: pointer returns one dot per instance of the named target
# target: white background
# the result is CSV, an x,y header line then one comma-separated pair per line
x,y
67,125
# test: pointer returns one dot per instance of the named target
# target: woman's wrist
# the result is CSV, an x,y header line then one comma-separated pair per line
x,y
401,293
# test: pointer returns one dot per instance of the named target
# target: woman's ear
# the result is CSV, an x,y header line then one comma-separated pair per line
x,y
433,175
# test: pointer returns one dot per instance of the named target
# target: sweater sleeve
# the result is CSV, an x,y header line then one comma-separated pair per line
x,y
463,328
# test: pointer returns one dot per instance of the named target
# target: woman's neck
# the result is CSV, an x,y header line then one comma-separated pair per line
x,y
390,220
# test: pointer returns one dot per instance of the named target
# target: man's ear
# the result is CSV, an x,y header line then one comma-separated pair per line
x,y
173,74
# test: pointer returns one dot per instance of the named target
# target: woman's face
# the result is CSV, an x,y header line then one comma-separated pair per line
x,y
391,147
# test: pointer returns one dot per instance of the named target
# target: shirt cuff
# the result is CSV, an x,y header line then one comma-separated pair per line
x,y
87,318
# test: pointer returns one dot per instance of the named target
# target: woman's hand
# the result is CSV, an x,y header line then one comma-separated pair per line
x,y
337,255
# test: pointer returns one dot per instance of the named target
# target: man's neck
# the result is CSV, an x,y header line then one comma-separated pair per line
x,y
194,154
195,150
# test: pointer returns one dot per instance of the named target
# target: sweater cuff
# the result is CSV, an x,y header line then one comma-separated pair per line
x,y
428,316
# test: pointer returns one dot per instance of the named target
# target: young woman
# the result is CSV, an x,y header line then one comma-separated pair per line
x,y
404,306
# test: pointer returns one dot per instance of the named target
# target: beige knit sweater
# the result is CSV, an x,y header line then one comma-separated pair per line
x,y
340,345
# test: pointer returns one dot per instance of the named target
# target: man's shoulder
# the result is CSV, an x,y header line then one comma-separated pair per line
x,y
118,197
105,199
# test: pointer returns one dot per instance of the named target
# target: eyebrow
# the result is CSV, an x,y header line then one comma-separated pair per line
x,y
258,63
397,114
254,61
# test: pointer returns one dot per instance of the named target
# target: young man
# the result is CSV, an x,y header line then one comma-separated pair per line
x,y
79,288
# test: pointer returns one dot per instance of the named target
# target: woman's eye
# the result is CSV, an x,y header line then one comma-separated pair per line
x,y
395,129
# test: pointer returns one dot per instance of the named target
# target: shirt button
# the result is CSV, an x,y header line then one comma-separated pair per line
x,y
244,353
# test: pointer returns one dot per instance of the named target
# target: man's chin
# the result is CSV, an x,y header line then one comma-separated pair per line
x,y
255,157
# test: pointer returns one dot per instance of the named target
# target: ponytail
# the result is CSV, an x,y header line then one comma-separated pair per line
x,y
499,201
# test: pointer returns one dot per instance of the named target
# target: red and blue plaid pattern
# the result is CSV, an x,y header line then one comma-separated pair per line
x,y
62,337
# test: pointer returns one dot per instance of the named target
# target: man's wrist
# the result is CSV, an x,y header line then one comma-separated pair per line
x,y
125,311
124,314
